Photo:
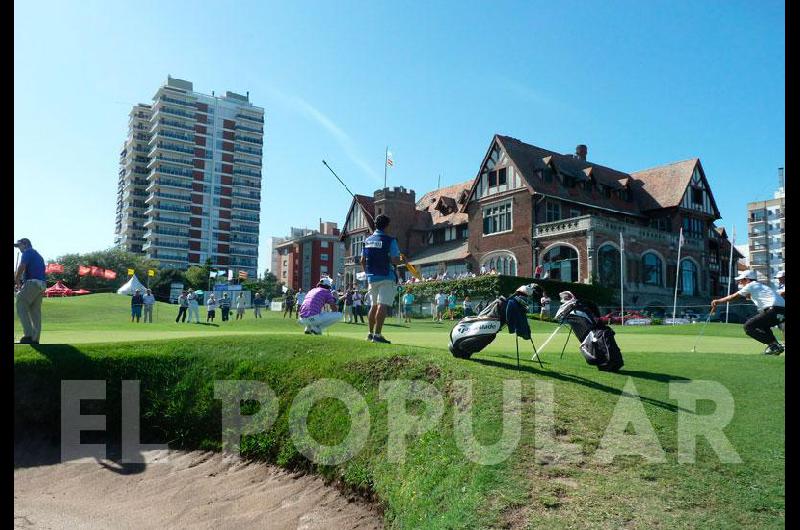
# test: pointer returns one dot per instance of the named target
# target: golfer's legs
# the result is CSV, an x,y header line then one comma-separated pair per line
x,y
324,320
29,309
759,326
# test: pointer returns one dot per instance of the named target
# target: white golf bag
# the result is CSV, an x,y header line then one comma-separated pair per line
x,y
472,334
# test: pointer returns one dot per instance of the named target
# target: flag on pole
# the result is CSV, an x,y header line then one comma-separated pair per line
x,y
621,279
242,275
230,274
212,274
84,270
131,272
389,160
97,271
680,238
151,272
108,274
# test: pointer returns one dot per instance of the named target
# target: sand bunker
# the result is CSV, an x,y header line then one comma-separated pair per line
x,y
191,490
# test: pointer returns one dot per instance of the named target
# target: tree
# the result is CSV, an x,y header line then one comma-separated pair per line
x,y
163,280
115,259
197,277
268,285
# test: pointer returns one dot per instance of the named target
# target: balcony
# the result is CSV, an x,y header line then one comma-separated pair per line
x,y
577,225
245,240
171,170
166,232
174,112
249,195
248,150
256,119
247,162
168,183
244,229
168,257
246,184
161,243
245,218
243,252
163,122
253,207
249,129
177,148
168,208
170,196
249,139
247,173
175,136
183,103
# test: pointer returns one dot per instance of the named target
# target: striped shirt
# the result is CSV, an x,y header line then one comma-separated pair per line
x,y
314,301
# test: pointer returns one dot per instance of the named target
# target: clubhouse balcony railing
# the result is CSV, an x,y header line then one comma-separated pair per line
x,y
584,223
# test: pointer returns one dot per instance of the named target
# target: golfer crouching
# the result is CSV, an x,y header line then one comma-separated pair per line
x,y
311,312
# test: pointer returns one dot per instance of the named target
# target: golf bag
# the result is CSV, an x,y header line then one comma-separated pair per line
x,y
598,345
472,334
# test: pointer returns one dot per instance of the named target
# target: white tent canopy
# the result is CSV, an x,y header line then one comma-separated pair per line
x,y
131,285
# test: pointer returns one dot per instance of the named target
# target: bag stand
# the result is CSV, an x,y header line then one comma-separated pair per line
x,y
553,334
565,343
535,352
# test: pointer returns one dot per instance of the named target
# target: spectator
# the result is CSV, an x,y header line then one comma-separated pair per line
x,y
357,305
211,308
299,299
258,303
483,270
545,310
149,302
311,312
288,305
468,307
183,306
348,306
441,305
781,277
29,283
240,306
451,305
408,301
137,301
225,307
194,307
538,273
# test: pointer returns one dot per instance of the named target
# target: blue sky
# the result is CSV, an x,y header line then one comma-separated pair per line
x,y
641,83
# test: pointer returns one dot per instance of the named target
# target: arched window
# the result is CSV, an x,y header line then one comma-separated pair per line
x,y
608,266
561,263
688,278
503,263
652,270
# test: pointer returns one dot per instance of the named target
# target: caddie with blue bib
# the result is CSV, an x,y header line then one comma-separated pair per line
x,y
380,255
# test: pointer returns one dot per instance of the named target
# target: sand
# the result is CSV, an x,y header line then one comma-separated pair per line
x,y
180,490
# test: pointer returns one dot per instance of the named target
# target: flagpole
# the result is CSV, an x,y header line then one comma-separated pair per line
x,y
385,164
621,279
677,275
730,267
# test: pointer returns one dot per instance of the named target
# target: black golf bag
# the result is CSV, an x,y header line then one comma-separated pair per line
x,y
598,345
472,334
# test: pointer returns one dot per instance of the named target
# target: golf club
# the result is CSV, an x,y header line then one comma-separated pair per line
x,y
16,266
702,330
546,341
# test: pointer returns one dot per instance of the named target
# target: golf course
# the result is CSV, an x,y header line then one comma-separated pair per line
x,y
436,485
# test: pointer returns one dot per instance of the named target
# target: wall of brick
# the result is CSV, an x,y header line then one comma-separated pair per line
x,y
518,241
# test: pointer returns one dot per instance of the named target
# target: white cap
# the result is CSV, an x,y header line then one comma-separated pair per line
x,y
566,296
780,274
749,274
527,290
326,281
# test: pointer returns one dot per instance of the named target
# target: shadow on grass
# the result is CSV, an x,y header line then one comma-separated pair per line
x,y
568,378
37,443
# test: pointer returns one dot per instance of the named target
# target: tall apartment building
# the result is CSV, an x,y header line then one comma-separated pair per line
x,y
302,258
190,179
766,234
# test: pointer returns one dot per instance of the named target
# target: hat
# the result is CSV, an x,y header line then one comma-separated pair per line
x,y
23,241
748,274
327,282
566,296
780,274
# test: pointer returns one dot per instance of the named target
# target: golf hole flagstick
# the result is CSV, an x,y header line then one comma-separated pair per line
x,y
408,265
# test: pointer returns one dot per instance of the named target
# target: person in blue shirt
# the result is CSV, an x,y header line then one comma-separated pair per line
x,y
378,259
408,301
29,286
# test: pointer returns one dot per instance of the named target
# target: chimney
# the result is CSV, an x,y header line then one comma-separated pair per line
x,y
580,152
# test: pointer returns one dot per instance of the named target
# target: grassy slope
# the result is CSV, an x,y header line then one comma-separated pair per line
x,y
437,487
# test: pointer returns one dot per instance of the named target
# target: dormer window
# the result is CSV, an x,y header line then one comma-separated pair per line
x,y
501,176
492,179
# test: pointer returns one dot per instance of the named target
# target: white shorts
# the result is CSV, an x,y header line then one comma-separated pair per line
x,y
322,320
382,292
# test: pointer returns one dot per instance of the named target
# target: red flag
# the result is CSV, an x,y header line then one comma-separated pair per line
x,y
97,271
83,270
108,274
54,268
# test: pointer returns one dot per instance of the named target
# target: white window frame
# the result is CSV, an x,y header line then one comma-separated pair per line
x,y
497,204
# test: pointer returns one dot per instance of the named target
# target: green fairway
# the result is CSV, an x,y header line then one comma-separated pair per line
x,y
437,486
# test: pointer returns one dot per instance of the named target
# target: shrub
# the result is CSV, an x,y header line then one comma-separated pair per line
x,y
495,285
656,321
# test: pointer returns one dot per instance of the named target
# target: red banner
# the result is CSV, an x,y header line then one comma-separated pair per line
x,y
108,274
97,271
83,270
54,268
